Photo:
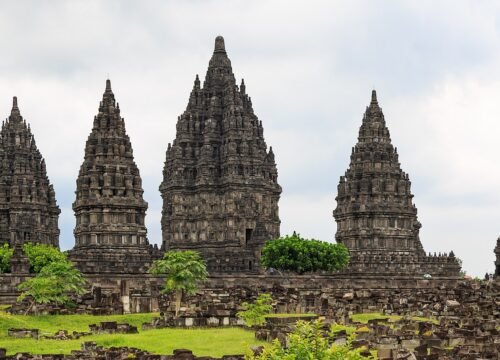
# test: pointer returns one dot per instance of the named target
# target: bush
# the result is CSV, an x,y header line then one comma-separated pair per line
x,y
309,341
40,255
55,283
5,256
254,313
293,253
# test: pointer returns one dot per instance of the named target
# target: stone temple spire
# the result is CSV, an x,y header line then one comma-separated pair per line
x,y
497,261
375,214
220,191
28,208
110,234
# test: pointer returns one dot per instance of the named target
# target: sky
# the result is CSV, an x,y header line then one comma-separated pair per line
x,y
309,67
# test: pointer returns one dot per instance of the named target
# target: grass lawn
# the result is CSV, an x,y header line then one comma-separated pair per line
x,y
282,316
364,318
204,342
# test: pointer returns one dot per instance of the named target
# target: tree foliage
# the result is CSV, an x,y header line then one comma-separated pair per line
x,y
55,283
254,313
309,341
5,256
293,253
183,271
40,255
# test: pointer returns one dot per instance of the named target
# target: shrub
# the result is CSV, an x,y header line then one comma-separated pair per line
x,y
309,341
293,253
55,283
254,313
5,256
40,255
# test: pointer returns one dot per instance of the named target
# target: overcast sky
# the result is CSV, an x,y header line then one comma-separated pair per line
x,y
309,67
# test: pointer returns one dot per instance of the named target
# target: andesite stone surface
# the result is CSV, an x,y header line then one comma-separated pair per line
x,y
28,208
376,217
497,262
220,191
110,234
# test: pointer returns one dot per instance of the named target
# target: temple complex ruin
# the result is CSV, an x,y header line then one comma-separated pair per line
x,y
220,191
110,234
375,215
28,208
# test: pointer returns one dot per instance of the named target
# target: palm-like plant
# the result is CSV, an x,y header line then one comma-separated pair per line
x,y
55,283
183,271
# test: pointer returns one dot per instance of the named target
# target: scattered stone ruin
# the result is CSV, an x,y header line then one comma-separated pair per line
x,y
375,215
110,234
112,327
90,350
28,208
23,333
220,191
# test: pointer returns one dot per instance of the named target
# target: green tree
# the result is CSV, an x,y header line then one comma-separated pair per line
x,y
5,256
293,253
55,283
309,341
183,271
255,313
40,255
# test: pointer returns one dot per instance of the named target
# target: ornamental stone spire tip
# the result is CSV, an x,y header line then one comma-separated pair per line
x,y
15,108
108,86
219,45
374,97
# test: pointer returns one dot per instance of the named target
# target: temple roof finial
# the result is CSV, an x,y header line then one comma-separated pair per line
x,y
108,85
219,45
374,97
242,87
15,109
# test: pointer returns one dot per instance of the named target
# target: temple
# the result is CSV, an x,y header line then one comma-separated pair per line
x,y
375,215
220,190
28,208
110,234
497,261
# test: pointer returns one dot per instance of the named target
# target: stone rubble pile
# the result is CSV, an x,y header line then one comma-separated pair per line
x,y
91,351
93,303
408,339
112,327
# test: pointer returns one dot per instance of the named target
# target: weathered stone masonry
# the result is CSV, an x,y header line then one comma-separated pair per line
x,y
110,235
497,261
375,215
28,208
220,191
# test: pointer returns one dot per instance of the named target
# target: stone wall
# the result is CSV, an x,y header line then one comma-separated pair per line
x,y
338,297
322,294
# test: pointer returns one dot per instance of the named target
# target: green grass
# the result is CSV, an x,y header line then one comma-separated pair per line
x,y
338,327
204,342
283,315
49,324
364,318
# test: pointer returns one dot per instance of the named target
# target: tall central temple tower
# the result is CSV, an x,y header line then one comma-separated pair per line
x,y
110,234
375,214
28,209
220,191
